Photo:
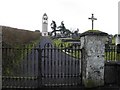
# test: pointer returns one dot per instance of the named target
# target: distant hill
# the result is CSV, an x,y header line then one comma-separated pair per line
x,y
13,36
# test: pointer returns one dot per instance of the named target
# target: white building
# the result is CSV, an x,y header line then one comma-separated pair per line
x,y
117,39
118,35
45,25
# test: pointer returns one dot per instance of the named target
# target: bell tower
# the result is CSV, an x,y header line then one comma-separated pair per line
x,y
45,25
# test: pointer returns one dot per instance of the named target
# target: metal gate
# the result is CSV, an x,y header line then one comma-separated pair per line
x,y
36,67
60,65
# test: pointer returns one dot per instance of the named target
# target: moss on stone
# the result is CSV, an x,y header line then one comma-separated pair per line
x,y
89,83
93,32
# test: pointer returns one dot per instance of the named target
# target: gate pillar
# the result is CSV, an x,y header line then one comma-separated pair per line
x,y
93,57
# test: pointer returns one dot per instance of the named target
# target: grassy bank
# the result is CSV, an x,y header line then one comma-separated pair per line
x,y
67,48
16,44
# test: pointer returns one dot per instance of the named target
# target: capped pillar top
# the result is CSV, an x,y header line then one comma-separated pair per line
x,y
94,32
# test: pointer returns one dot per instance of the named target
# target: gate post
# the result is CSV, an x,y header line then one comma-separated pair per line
x,y
0,57
39,67
93,56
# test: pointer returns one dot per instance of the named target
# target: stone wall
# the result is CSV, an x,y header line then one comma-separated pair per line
x,y
112,73
0,57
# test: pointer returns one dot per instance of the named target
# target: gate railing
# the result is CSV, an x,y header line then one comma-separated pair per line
x,y
19,67
60,65
112,53
34,67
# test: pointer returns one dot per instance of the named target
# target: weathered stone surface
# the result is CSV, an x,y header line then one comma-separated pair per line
x,y
0,57
93,60
111,73
93,32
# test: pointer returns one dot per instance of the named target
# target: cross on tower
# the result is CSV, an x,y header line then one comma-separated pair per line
x,y
92,18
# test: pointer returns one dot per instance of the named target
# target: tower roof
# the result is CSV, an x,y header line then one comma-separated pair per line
x,y
44,14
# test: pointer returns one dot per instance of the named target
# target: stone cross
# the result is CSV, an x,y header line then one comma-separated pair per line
x,y
92,18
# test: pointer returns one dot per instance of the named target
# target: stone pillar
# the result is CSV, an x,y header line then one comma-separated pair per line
x,y
0,57
93,47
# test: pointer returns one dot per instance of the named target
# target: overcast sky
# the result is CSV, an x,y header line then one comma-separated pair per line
x,y
27,14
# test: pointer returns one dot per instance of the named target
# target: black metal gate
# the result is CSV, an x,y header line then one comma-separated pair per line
x,y
36,67
60,65
19,67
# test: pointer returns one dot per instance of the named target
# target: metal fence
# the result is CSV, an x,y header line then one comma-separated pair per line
x,y
61,65
35,67
112,53
19,67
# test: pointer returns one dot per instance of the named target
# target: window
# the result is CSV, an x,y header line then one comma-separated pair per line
x,y
44,34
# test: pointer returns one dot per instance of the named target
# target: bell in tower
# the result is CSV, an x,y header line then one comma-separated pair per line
x,y
45,25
